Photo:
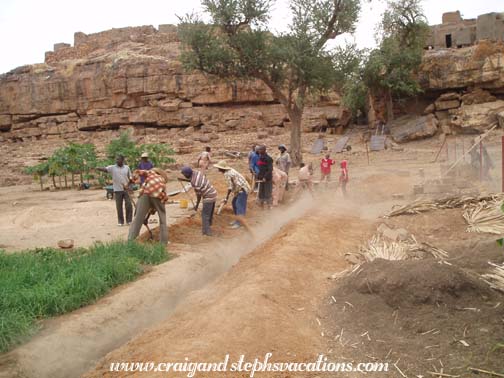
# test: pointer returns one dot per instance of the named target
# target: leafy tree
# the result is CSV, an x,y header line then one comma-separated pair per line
x,y
125,146
390,69
237,45
159,154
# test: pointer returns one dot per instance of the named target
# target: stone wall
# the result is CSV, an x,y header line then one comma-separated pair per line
x,y
132,78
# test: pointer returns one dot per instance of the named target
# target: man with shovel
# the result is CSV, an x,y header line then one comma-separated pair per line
x,y
204,191
152,196
240,189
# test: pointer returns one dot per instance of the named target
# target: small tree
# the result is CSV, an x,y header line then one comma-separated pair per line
x,y
38,171
237,45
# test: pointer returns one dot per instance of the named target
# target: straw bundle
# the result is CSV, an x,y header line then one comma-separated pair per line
x,y
485,217
424,205
496,277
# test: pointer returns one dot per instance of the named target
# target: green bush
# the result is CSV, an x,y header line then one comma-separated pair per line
x,y
47,282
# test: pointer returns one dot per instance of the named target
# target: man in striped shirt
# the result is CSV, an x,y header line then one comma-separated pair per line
x,y
152,196
238,186
204,191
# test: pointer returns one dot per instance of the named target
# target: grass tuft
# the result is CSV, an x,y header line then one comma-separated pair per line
x,y
41,283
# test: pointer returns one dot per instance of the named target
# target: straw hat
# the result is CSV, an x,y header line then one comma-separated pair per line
x,y
145,154
222,165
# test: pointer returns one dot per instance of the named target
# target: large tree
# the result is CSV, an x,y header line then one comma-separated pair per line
x,y
237,44
390,69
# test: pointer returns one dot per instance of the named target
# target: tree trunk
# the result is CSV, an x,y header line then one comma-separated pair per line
x,y
73,181
66,182
296,154
81,178
390,107
59,179
54,181
41,183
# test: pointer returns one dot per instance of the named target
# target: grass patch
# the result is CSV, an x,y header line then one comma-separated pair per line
x,y
41,283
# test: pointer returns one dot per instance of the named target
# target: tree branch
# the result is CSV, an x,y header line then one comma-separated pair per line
x,y
330,33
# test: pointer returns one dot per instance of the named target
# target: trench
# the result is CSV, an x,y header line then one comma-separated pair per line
x,y
70,345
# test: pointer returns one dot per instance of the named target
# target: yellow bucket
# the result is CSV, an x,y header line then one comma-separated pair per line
x,y
183,204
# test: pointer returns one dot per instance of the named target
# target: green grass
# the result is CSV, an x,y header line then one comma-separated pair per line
x,y
41,283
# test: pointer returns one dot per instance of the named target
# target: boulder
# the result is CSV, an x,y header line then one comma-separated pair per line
x,y
416,128
477,117
477,96
447,104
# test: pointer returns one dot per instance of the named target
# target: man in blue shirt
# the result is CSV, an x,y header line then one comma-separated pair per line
x,y
145,165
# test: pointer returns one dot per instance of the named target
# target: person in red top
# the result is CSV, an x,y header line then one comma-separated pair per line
x,y
325,168
343,179
152,197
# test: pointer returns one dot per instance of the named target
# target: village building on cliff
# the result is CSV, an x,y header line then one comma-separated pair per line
x,y
457,32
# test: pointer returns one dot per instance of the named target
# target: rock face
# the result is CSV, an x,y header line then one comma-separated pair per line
x,y
480,66
132,78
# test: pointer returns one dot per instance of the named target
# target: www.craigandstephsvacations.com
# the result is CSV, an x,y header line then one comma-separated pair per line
x,y
321,364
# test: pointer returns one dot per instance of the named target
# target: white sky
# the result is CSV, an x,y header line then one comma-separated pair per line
x,y
28,28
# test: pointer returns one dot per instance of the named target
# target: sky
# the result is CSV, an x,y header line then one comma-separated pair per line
x,y
29,28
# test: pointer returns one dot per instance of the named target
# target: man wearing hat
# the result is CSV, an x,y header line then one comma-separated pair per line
x,y
145,165
284,162
204,191
152,196
238,186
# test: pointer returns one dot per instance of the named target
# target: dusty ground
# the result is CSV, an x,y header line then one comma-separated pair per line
x,y
211,301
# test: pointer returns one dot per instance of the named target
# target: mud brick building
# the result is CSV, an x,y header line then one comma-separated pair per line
x,y
456,32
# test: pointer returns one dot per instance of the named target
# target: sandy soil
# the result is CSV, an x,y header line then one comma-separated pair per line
x,y
269,302
211,301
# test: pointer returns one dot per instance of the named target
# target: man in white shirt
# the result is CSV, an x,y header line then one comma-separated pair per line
x,y
121,177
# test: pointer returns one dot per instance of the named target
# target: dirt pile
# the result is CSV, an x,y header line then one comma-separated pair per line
x,y
424,315
406,283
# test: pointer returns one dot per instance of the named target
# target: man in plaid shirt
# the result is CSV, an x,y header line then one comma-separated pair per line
x,y
238,186
152,196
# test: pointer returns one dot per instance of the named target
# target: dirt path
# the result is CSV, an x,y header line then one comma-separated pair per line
x,y
267,303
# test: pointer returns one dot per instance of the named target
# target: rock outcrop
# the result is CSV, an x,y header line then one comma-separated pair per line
x,y
479,66
132,78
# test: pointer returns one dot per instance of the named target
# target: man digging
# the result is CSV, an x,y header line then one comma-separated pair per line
x,y
152,197
204,191
240,189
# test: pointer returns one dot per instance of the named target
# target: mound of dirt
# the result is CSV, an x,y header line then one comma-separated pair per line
x,y
415,282
424,315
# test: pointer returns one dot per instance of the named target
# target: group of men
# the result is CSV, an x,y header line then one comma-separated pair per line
x,y
269,178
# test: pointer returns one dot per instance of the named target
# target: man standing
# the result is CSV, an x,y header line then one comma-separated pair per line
x,y
205,159
204,190
145,165
238,186
121,177
152,196
284,162
265,177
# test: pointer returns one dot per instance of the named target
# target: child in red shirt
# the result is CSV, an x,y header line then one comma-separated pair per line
x,y
343,179
325,168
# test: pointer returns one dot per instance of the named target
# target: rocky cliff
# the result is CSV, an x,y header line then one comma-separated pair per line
x,y
132,78
468,86
479,66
